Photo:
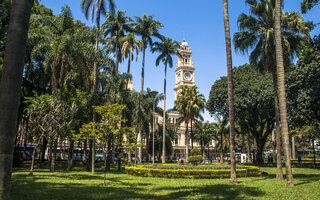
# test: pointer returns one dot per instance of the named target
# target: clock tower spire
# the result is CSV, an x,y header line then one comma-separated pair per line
x,y
184,69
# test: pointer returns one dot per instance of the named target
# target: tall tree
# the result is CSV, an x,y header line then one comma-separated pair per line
x,y
115,26
221,130
189,103
146,27
307,5
130,43
204,133
282,94
166,48
233,177
98,8
257,32
10,88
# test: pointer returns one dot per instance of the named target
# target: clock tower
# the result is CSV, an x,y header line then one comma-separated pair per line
x,y
184,69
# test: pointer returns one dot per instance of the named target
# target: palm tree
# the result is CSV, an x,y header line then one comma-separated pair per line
x,y
166,48
233,177
282,93
98,8
11,81
257,31
221,130
59,41
115,26
189,103
204,133
146,27
130,43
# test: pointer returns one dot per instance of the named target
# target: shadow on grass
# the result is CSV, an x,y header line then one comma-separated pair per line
x,y
122,187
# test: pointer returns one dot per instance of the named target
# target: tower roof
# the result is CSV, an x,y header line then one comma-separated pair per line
x,y
184,43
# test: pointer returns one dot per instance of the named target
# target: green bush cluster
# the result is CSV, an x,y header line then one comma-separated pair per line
x,y
195,158
206,167
191,173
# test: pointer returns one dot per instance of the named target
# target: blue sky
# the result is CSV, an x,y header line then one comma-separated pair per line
x,y
200,23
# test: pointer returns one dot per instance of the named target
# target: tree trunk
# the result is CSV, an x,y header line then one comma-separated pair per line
x,y
90,153
140,99
276,106
260,150
147,147
140,148
314,154
10,88
249,150
191,134
54,156
187,142
282,94
109,155
84,155
70,154
44,143
93,156
116,60
164,116
128,72
94,87
221,148
233,177
32,162
50,152
293,147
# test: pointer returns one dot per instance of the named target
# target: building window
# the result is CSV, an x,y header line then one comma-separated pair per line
x,y
186,60
176,141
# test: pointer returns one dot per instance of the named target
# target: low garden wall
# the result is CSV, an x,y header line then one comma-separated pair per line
x,y
246,171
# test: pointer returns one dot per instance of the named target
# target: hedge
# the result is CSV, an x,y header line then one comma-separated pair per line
x,y
304,160
191,173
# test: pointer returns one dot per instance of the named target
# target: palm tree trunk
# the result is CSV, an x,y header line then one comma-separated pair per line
x,y
128,72
276,106
164,116
140,102
116,58
233,177
62,75
187,141
10,88
221,148
282,94
142,71
191,134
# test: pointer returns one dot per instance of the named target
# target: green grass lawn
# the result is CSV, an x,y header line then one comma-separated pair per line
x,y
79,184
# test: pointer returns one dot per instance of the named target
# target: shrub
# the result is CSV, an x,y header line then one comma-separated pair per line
x,y
191,173
195,160
195,152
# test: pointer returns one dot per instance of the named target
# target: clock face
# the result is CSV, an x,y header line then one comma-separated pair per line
x,y
187,76
179,76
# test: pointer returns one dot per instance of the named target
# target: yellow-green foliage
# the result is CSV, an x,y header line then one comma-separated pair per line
x,y
304,160
191,173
